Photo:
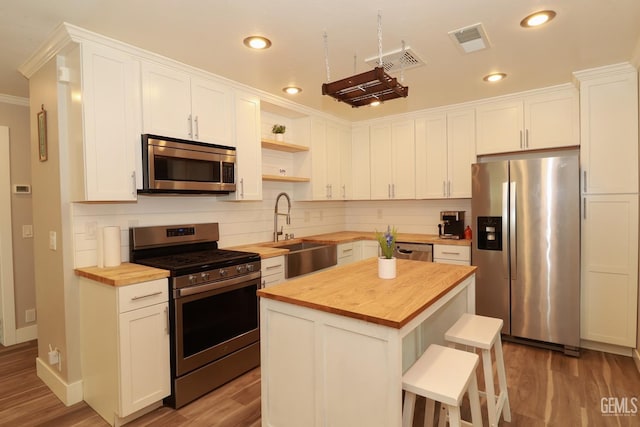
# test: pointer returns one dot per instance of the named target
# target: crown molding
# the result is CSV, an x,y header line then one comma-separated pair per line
x,y
15,100
48,50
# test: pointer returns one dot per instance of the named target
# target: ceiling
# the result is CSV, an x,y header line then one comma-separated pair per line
x,y
208,34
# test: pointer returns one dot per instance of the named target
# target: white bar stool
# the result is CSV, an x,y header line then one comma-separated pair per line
x,y
443,374
484,332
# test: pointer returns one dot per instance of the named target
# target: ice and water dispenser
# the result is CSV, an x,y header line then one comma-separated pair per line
x,y
489,233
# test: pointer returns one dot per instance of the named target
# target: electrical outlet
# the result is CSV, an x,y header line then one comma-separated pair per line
x,y
53,240
27,231
54,357
30,315
90,230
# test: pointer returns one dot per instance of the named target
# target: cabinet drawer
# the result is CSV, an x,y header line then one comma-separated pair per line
x,y
345,250
142,295
452,252
271,266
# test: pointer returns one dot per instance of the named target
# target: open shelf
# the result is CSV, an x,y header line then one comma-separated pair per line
x,y
287,147
281,178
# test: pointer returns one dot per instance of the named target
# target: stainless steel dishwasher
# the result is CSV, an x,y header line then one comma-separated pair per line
x,y
415,251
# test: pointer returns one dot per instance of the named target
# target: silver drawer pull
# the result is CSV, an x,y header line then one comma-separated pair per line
x,y
451,253
347,250
146,296
271,267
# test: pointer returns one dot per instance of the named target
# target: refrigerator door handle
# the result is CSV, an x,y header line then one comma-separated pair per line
x,y
513,235
505,229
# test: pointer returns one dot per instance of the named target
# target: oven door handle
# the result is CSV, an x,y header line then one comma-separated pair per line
x,y
218,285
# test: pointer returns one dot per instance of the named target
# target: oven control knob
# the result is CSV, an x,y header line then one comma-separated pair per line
x,y
241,268
205,276
250,267
223,272
193,279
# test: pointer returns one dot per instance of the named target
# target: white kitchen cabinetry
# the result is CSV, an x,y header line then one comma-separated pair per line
x,y
248,147
609,283
106,149
445,150
548,119
392,151
124,334
452,254
369,249
330,160
609,129
272,270
177,104
360,164
346,253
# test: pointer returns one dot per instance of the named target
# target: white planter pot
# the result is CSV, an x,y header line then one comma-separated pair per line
x,y
387,268
279,136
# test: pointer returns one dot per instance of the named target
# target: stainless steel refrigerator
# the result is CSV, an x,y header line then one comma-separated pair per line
x,y
527,246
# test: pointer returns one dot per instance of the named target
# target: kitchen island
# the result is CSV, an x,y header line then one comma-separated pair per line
x,y
334,344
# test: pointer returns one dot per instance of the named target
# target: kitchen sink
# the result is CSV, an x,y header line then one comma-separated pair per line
x,y
307,257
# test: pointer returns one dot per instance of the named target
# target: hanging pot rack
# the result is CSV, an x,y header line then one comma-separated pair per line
x,y
365,88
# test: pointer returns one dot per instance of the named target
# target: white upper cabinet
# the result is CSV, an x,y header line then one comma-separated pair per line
x,y
330,160
445,150
248,147
179,105
392,151
360,164
548,119
108,158
609,130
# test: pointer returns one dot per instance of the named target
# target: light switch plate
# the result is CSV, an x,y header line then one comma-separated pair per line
x,y
53,237
27,231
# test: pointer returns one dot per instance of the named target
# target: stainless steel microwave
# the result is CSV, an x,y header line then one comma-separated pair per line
x,y
171,165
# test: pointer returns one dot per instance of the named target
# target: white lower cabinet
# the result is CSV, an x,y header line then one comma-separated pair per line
x,y
124,334
272,270
452,254
609,262
346,253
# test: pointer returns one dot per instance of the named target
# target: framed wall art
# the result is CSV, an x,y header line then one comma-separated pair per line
x,y
42,134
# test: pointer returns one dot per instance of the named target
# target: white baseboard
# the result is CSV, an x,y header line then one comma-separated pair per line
x,y
636,358
28,333
606,348
69,394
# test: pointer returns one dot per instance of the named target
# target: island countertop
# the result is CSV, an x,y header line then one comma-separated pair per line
x,y
354,290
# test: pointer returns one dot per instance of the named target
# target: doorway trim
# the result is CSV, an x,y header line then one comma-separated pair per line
x,y
7,293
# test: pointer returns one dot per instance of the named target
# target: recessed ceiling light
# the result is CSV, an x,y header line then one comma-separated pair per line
x,y
375,103
292,90
494,77
538,18
257,42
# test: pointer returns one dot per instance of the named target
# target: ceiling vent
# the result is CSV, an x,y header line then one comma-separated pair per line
x,y
470,39
393,61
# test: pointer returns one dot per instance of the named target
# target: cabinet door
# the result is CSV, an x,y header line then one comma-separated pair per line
x,y
460,152
319,183
552,120
370,249
111,121
381,161
609,133
609,282
403,153
144,357
166,102
431,157
211,109
344,152
248,148
360,164
499,127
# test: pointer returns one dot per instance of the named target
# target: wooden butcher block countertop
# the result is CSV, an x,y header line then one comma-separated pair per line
x,y
354,290
122,275
271,249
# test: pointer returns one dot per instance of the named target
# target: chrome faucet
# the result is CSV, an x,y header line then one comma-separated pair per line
x,y
277,233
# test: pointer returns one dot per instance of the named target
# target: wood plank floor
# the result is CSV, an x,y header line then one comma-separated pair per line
x,y
546,389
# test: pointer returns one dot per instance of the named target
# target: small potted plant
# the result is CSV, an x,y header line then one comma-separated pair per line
x,y
387,262
279,130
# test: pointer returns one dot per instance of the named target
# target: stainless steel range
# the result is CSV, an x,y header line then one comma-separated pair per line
x,y
213,305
